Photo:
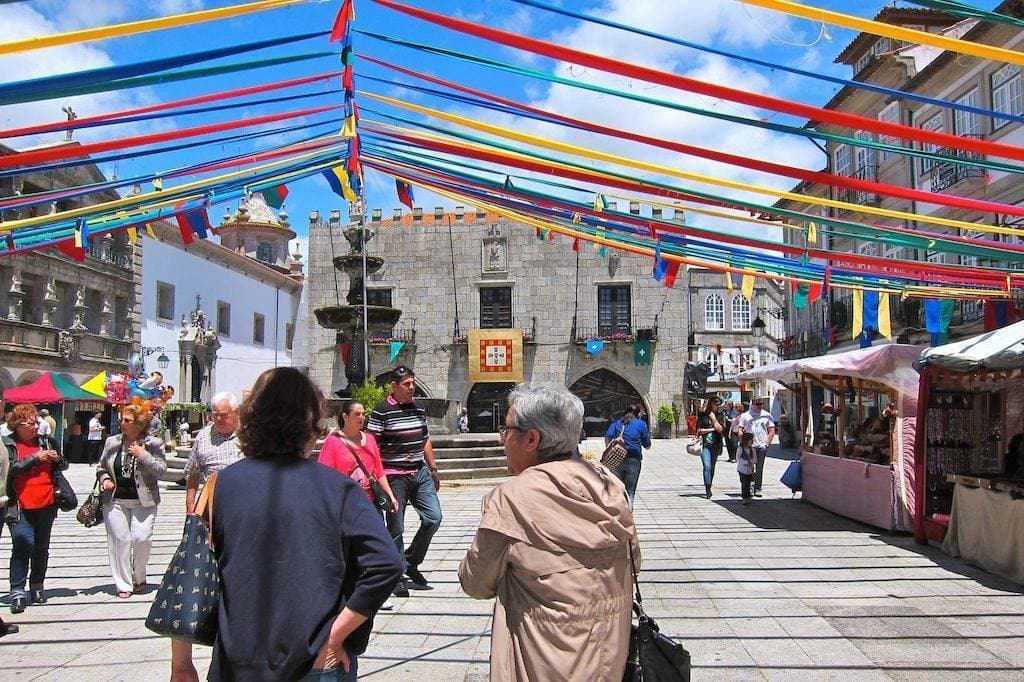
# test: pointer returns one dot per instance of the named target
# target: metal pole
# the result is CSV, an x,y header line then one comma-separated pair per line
x,y
455,293
366,336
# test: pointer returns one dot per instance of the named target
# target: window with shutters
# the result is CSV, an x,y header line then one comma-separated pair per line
x,y
165,301
495,307
613,309
934,124
967,122
223,318
258,328
1006,94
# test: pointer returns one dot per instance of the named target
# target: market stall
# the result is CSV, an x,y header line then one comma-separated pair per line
x,y
970,464
71,406
858,417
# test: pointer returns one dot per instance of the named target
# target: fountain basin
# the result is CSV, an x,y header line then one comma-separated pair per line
x,y
353,263
349,316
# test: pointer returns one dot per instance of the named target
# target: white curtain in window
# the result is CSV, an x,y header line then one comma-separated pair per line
x,y
714,312
740,312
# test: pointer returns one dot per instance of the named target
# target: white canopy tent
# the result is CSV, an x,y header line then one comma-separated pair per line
x,y
1001,349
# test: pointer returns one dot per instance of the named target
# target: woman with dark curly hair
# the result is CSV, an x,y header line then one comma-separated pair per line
x,y
31,503
305,560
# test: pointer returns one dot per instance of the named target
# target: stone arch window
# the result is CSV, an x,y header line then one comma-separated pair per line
x,y
714,312
740,312
264,252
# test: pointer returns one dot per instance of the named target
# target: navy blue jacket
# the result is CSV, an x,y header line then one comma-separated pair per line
x,y
295,542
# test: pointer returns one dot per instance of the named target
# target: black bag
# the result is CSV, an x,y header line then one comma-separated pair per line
x,y
187,603
91,512
380,496
653,657
63,493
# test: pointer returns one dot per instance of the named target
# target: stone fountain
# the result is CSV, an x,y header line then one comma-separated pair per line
x,y
348,319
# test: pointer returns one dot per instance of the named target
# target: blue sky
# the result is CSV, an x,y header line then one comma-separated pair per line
x,y
725,23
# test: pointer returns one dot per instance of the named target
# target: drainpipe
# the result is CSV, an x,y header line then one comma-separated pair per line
x,y
277,308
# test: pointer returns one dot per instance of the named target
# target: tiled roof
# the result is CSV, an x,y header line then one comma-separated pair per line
x,y
895,15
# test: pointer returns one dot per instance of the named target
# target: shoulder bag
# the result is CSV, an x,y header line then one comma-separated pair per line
x,y
63,493
615,452
380,496
91,512
188,600
653,657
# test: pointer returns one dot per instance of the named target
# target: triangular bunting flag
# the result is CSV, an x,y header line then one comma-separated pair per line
x,y
275,196
396,348
404,190
133,235
346,14
747,287
671,274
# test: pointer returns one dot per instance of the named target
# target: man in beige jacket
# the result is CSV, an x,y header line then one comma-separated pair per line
x,y
553,547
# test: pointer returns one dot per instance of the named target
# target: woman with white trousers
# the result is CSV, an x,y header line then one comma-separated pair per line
x,y
129,471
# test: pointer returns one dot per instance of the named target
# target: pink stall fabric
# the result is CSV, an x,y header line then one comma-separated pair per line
x,y
850,488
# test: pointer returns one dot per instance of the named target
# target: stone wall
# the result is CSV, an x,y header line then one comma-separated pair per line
x,y
543,276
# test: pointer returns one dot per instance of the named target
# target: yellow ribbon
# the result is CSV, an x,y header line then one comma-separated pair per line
x,y
884,324
133,235
878,28
135,27
858,312
584,152
747,287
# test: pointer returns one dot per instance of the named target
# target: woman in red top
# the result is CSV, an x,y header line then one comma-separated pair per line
x,y
342,447
31,505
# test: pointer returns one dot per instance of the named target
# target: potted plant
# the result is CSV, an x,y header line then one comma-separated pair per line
x,y
666,416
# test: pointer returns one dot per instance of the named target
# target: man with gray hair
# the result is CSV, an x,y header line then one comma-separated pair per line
x,y
214,447
566,520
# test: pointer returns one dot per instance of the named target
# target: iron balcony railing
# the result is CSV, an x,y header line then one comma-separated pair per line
x,y
529,332
860,197
945,174
637,328
385,337
108,253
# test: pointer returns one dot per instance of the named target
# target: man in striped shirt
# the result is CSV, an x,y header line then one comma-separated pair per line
x,y
400,426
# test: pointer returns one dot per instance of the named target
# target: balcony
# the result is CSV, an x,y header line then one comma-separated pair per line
x,y
108,252
807,345
636,329
860,197
386,337
529,333
36,339
944,175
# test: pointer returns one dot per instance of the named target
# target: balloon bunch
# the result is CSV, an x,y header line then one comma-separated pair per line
x,y
134,387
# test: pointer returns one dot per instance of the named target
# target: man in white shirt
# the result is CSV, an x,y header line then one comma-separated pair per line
x,y
760,424
43,427
95,437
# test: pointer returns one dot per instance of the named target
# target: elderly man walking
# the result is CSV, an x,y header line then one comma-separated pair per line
x,y
214,448
400,426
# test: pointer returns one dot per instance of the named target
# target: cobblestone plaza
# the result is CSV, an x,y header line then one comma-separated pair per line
x,y
777,590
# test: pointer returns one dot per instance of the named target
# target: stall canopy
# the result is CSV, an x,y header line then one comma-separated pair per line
x,y
48,388
890,365
998,350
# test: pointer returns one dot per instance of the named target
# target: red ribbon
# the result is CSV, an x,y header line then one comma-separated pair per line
x,y
673,80
858,184
74,151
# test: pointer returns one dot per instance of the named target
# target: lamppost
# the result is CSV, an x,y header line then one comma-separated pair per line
x,y
757,327
162,361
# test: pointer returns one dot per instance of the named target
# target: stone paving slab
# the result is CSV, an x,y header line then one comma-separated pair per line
x,y
779,589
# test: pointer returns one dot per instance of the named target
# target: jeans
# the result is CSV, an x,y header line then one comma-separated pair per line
x,y
707,458
759,473
730,446
417,488
30,539
629,473
745,480
333,674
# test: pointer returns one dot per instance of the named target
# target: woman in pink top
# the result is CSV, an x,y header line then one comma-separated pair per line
x,y
354,452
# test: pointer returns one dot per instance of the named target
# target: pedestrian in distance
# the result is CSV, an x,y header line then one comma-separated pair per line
x,y
710,430
728,414
746,464
45,429
129,474
462,422
214,448
554,547
400,427
5,465
759,422
637,436
94,438
31,504
304,560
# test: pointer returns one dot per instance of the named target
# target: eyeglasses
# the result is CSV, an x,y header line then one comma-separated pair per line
x,y
221,415
503,431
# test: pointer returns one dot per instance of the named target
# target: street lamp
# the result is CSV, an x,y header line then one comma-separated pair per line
x,y
757,327
163,361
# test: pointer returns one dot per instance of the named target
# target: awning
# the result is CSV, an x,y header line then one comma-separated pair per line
x,y
890,365
49,388
999,349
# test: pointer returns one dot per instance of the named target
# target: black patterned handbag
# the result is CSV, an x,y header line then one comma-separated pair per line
x,y
653,657
187,602
63,493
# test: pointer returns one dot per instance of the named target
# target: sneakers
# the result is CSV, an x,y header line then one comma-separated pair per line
x,y
400,589
387,606
757,493
416,579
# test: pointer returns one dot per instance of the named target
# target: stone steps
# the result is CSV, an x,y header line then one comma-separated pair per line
x,y
441,454
497,474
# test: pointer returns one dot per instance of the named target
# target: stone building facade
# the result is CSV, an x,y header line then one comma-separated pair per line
x,y
934,73
504,276
56,314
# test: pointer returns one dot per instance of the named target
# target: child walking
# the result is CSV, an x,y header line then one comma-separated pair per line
x,y
746,461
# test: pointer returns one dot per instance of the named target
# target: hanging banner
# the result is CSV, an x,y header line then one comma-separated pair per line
x,y
495,355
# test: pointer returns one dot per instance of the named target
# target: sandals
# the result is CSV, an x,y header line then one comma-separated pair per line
x,y
124,595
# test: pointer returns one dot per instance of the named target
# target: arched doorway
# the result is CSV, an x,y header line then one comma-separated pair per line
x,y
487,405
604,394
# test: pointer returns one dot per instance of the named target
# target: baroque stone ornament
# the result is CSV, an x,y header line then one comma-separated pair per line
x,y
494,255
69,345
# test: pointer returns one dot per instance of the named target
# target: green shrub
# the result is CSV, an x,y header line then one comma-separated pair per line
x,y
666,415
370,395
